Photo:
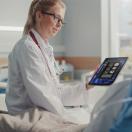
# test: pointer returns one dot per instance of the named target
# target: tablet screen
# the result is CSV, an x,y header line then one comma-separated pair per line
x,y
108,71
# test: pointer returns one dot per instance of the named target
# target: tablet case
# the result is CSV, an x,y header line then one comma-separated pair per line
x,y
108,71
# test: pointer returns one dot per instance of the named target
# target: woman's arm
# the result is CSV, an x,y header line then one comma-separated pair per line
x,y
36,79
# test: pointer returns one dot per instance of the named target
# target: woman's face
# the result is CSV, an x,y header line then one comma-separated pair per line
x,y
50,22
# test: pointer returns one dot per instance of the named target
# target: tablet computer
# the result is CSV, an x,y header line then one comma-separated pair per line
x,y
108,71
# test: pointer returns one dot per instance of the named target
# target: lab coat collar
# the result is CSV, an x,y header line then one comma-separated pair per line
x,y
40,40
44,48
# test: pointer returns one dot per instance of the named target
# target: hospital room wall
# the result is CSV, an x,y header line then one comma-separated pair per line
x,y
82,33
80,38
14,13
83,29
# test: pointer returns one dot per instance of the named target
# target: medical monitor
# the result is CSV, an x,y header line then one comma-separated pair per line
x,y
108,71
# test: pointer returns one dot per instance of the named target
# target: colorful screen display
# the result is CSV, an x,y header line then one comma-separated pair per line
x,y
108,71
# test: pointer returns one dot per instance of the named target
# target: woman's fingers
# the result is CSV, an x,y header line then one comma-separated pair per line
x,y
89,86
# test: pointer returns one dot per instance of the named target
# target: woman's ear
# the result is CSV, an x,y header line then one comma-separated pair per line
x,y
38,15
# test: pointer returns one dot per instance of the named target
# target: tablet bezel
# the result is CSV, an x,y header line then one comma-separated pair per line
x,y
108,81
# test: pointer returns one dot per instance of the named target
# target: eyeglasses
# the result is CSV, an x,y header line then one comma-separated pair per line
x,y
56,18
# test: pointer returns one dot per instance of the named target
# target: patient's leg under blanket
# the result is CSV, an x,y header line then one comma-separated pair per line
x,y
37,120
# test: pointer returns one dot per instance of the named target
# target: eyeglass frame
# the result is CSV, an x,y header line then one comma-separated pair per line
x,y
55,17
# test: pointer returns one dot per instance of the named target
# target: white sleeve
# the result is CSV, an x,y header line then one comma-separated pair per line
x,y
73,94
36,81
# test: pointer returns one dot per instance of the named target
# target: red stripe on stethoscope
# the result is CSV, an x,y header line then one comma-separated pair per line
x,y
36,42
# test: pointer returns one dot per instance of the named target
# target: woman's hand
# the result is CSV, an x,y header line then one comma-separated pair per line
x,y
89,86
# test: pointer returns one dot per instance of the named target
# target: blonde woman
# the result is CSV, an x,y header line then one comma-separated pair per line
x,y
32,76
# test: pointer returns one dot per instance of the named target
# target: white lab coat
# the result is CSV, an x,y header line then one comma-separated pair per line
x,y
33,81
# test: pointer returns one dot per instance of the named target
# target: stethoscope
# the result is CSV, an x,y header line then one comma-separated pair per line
x,y
58,69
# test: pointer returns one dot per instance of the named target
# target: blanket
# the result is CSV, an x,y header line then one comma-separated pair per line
x,y
37,120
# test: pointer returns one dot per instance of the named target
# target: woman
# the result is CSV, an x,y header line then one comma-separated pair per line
x,y
32,78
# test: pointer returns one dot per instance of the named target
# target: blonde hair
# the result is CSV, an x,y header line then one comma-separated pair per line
x,y
39,5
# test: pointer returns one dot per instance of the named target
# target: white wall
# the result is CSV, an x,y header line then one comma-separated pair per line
x,y
83,29
81,36
105,29
110,32
14,13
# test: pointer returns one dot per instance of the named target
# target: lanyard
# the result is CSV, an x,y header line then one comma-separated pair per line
x,y
36,42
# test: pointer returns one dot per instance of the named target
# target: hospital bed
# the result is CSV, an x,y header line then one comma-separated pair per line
x,y
84,100
3,85
56,124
